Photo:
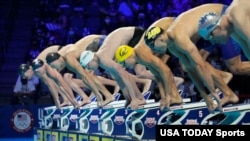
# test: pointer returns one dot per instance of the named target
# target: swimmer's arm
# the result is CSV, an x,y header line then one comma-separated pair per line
x,y
52,88
118,72
146,83
161,90
161,72
73,65
186,45
178,81
75,84
110,82
164,58
63,86
142,72
204,54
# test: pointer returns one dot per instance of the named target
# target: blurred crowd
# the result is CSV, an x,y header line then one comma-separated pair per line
x,y
66,21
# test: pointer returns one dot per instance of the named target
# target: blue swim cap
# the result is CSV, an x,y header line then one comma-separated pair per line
x,y
207,24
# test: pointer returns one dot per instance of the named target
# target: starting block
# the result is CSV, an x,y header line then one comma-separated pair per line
x,y
232,115
59,117
85,119
93,122
114,118
90,122
45,117
141,123
185,114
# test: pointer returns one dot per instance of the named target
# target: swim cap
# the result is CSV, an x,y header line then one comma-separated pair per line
x,y
207,23
86,57
151,35
23,68
36,64
123,52
52,56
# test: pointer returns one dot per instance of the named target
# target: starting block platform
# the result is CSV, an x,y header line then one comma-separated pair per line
x,y
115,122
232,115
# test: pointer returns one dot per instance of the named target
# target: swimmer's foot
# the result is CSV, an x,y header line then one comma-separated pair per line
x,y
227,77
75,103
108,100
65,103
84,102
136,103
211,105
231,99
165,103
127,103
99,100
176,100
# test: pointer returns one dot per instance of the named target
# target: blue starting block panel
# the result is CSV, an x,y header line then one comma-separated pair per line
x,y
232,115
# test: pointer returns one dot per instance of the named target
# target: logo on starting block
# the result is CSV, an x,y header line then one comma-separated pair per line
x,y
119,120
150,122
94,118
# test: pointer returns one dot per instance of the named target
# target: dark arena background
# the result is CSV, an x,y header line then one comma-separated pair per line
x,y
29,26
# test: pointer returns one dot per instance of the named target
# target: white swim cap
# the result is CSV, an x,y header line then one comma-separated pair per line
x,y
86,57
207,23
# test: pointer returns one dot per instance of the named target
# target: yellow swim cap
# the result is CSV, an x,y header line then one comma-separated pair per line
x,y
123,52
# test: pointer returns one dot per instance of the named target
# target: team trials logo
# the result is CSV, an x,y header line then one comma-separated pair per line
x,y
119,120
73,117
150,122
94,119
22,120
